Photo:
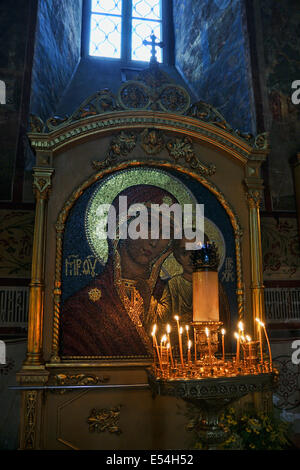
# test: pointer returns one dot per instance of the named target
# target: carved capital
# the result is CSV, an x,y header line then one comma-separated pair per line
x,y
254,198
42,182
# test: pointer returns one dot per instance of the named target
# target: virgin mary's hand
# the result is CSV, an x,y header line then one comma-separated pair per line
x,y
145,291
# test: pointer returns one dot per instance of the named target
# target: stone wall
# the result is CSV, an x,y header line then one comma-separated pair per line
x,y
211,52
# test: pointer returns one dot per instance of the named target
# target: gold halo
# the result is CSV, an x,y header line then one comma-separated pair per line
x,y
171,267
109,189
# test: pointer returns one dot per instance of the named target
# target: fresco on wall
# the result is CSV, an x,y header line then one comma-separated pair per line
x,y
212,53
280,247
16,238
280,23
113,291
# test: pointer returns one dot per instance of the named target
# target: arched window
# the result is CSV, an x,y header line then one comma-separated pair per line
x,y
117,28
2,92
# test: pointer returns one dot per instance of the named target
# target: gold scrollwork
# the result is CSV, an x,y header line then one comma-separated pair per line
x,y
105,420
30,419
78,379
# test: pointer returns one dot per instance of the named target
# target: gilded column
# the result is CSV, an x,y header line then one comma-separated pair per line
x,y
41,185
254,191
257,286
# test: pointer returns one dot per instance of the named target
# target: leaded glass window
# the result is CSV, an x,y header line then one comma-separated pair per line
x,y
118,28
106,27
146,20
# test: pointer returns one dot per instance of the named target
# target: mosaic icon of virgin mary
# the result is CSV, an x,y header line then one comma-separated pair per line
x,y
112,316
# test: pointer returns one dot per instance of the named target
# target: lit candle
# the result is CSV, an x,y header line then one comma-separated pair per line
x,y
168,352
249,344
260,340
241,328
180,345
223,344
208,342
243,339
187,332
179,328
189,351
168,335
163,340
268,343
156,346
237,347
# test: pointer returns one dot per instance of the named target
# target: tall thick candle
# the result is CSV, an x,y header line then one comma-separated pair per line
x,y
205,296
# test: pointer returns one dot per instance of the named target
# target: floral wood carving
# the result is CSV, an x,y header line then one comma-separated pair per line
x,y
105,420
152,141
120,146
183,149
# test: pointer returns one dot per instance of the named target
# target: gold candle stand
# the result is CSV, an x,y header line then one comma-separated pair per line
x,y
202,341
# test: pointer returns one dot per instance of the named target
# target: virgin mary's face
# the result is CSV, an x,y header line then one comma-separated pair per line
x,y
144,251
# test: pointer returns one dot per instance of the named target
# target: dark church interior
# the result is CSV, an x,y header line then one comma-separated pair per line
x,y
234,68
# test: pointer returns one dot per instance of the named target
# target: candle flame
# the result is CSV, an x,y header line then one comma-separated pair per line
x,y
241,326
163,339
248,338
207,332
168,346
168,329
176,317
187,327
236,335
154,330
189,344
223,331
181,330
